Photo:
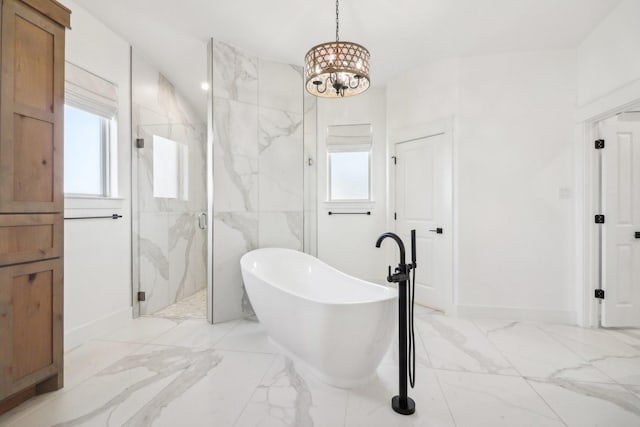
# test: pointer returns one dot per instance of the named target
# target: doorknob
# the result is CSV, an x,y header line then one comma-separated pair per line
x,y
437,230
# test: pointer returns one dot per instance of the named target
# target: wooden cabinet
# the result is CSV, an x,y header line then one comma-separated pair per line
x,y
31,197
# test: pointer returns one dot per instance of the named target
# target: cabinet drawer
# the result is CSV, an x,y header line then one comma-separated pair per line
x,y
32,237
30,324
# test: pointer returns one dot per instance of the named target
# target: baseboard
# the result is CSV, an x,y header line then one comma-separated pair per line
x,y
96,328
517,313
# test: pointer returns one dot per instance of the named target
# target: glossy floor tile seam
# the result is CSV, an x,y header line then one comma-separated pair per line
x,y
588,362
444,397
551,408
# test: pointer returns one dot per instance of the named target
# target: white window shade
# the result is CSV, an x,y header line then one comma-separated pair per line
x,y
349,138
90,92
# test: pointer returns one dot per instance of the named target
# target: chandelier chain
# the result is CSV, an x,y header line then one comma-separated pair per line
x,y
337,19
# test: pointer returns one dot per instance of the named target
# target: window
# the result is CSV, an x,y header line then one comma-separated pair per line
x,y
349,163
90,130
349,175
86,152
170,169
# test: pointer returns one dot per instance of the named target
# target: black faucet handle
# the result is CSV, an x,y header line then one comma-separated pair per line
x,y
389,278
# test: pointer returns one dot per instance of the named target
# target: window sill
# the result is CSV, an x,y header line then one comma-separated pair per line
x,y
89,202
349,204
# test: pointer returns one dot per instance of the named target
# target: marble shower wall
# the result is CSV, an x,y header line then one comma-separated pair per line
x,y
257,166
170,249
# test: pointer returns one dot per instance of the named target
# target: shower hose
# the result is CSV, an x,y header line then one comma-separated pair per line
x,y
412,336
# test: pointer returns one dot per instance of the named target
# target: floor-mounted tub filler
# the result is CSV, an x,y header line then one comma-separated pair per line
x,y
340,326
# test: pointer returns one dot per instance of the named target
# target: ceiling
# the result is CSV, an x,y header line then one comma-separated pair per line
x,y
400,34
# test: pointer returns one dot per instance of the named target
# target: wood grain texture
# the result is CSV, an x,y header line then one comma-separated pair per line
x,y
34,237
30,325
33,73
31,198
31,111
32,298
53,10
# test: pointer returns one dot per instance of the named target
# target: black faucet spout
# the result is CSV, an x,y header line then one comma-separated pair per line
x,y
397,239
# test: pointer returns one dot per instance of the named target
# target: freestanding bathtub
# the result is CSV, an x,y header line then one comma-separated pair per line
x,y
339,325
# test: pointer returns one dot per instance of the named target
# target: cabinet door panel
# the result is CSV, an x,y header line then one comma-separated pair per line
x,y
34,237
30,324
31,111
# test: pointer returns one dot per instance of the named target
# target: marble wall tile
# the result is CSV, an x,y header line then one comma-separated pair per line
x,y
235,235
281,161
280,230
153,241
235,74
280,86
235,157
187,270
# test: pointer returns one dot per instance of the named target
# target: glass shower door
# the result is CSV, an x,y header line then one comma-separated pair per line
x,y
169,200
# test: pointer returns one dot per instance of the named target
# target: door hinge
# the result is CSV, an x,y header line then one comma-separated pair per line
x,y
142,296
139,143
599,219
599,293
395,160
395,216
599,144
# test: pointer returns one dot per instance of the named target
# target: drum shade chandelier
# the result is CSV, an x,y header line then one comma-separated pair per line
x,y
336,69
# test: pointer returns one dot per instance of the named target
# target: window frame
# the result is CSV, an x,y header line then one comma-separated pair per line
x,y
108,146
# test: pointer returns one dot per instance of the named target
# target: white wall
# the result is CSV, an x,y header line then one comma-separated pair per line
x,y
608,58
98,252
513,158
347,242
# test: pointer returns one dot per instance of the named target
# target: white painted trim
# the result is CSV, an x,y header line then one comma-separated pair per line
x,y
588,116
612,103
405,134
97,328
517,313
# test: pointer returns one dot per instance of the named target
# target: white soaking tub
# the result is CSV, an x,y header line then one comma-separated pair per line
x,y
339,325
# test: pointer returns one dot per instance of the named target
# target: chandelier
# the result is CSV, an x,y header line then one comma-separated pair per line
x,y
336,69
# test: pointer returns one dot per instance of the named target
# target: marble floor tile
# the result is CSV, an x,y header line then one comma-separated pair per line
x,y
534,353
604,351
185,372
195,333
289,395
92,357
457,344
494,400
141,330
582,404
370,405
160,386
247,335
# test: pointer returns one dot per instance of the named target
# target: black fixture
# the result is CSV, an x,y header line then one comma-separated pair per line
x,y
113,216
350,213
402,403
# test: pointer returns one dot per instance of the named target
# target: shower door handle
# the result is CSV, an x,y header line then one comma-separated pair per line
x,y
202,221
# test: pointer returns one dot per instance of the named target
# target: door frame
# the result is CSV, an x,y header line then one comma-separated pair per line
x,y
587,272
445,127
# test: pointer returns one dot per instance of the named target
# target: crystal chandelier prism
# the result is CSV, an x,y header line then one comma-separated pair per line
x,y
337,69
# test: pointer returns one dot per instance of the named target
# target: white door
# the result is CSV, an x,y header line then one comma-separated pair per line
x,y
423,195
621,206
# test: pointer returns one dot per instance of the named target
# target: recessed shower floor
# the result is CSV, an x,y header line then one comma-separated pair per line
x,y
470,372
193,307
